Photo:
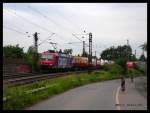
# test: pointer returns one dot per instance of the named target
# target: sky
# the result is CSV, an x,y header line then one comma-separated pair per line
x,y
111,24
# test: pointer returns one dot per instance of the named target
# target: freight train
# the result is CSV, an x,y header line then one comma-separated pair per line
x,y
56,61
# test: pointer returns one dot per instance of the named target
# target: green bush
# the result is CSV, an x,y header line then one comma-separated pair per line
x,y
32,59
113,68
133,72
142,70
105,67
122,62
11,51
97,72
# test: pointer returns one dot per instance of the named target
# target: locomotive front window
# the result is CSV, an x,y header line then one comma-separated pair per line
x,y
47,57
43,56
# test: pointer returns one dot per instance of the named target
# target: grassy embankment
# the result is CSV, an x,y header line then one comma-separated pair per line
x,y
19,99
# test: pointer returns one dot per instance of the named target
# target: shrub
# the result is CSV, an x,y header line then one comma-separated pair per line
x,y
122,62
10,51
113,68
133,72
139,69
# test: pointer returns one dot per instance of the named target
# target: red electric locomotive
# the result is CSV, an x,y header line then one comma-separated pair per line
x,y
48,59
54,60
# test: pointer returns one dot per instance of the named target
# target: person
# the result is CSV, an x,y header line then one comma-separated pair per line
x,y
123,83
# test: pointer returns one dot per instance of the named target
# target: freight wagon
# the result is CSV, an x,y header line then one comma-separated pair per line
x,y
80,62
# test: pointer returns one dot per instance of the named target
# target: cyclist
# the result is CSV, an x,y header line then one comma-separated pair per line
x,y
122,83
132,79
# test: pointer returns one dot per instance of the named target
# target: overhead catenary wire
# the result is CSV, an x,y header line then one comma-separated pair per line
x,y
79,39
47,38
35,10
68,20
46,17
73,42
76,37
27,20
31,22
45,29
14,30
71,23
16,25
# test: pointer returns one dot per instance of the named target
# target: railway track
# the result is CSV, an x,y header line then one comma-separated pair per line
x,y
24,79
17,75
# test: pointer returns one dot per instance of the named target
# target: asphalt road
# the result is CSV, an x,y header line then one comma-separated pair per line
x,y
97,96
133,98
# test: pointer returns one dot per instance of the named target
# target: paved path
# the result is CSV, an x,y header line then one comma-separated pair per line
x,y
132,99
97,96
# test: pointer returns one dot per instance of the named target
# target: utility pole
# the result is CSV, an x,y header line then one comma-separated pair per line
x,y
90,49
127,49
35,54
35,51
135,52
127,42
82,41
35,41
83,48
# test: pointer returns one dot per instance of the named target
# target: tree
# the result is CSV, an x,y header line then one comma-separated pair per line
x,y
122,62
104,54
142,58
10,51
60,51
133,58
28,58
31,58
67,51
144,46
118,52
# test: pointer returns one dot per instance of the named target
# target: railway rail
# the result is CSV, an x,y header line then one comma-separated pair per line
x,y
26,79
17,75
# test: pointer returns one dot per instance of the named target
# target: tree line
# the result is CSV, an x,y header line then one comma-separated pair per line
x,y
111,53
114,53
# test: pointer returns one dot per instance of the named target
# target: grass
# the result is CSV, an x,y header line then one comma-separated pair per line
x,y
20,99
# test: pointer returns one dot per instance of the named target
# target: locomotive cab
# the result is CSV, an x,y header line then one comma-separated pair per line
x,y
48,60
